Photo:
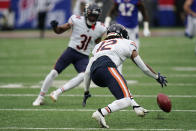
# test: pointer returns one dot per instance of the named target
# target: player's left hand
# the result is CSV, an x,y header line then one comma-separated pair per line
x,y
86,96
162,80
146,32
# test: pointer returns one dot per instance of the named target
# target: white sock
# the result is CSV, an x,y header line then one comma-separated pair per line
x,y
48,82
118,105
71,84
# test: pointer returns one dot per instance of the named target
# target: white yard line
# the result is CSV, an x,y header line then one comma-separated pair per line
x,y
127,75
59,83
78,95
88,129
184,68
84,110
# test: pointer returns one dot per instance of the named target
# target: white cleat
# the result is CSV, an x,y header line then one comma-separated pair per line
x,y
54,96
39,101
140,111
100,119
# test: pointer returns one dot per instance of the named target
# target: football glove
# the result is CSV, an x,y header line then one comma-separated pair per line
x,y
86,96
54,23
162,80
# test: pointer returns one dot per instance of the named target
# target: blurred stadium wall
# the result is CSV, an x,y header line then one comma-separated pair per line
x,y
167,13
25,12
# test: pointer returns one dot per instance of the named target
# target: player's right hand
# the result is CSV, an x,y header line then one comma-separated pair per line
x,y
146,32
86,96
162,80
54,23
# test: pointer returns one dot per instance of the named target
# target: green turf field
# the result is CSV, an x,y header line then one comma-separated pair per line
x,y
24,63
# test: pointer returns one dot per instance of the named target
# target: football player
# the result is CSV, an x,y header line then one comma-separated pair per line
x,y
190,9
102,69
126,13
86,31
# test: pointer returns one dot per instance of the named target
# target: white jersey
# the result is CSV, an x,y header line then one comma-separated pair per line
x,y
83,38
116,49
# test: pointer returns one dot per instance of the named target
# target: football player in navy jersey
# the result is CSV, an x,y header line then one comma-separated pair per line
x,y
126,14
86,31
190,9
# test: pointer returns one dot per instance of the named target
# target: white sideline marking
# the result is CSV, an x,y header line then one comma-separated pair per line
x,y
77,95
85,110
87,129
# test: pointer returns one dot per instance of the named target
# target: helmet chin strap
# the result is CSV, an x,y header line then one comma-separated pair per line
x,y
90,23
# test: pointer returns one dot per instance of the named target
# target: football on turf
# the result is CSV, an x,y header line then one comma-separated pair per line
x,y
164,102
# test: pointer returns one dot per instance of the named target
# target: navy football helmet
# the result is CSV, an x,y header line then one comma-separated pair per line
x,y
91,13
117,30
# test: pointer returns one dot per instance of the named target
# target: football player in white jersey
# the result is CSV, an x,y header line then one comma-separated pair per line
x,y
102,69
86,31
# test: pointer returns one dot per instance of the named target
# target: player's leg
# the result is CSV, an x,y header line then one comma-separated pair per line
x,y
118,87
69,85
134,35
194,21
80,63
189,30
60,65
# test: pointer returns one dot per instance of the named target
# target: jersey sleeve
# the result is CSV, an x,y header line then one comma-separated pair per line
x,y
132,46
71,19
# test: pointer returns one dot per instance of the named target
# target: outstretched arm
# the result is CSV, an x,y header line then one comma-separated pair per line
x,y
87,81
113,11
147,69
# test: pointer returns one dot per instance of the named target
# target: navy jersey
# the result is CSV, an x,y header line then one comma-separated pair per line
x,y
128,13
193,6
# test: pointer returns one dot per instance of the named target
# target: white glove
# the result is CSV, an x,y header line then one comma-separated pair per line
x,y
107,21
146,30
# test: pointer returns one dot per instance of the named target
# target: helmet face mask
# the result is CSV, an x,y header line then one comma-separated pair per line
x,y
118,31
92,13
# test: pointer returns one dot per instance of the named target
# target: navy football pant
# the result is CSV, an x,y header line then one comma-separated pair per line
x,y
111,78
71,56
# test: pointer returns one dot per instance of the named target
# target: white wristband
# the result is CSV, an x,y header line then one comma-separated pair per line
x,y
146,25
